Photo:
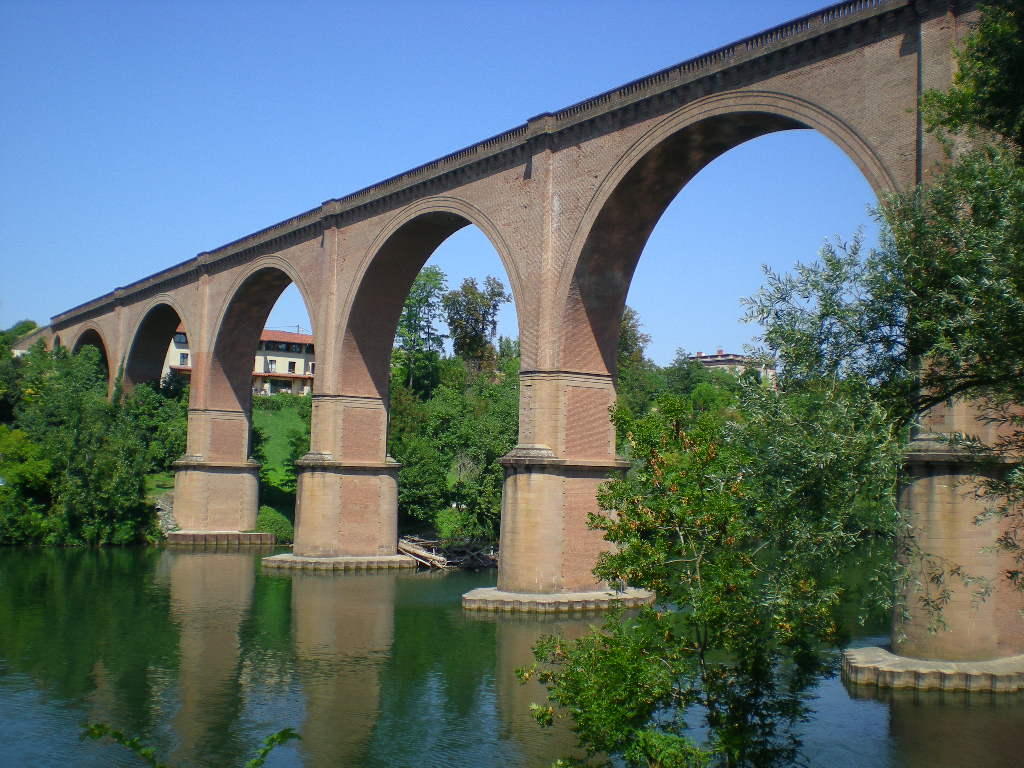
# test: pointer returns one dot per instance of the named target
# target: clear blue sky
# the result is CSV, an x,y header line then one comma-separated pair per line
x,y
134,135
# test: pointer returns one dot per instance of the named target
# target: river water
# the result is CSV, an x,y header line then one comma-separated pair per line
x,y
203,654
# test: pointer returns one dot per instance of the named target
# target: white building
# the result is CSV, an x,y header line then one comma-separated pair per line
x,y
285,362
734,363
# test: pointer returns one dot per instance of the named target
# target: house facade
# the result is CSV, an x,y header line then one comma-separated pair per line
x,y
284,362
734,363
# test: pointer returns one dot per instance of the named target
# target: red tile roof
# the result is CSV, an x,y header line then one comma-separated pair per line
x,y
269,335
294,338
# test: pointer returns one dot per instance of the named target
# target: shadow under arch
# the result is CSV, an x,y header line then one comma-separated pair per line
x,y
148,350
394,261
91,337
237,335
636,192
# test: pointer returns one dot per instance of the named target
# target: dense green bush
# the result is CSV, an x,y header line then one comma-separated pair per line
x,y
269,520
73,461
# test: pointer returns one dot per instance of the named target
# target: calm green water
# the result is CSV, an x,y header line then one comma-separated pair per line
x,y
204,654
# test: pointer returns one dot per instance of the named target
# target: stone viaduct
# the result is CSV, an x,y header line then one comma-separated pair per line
x,y
568,200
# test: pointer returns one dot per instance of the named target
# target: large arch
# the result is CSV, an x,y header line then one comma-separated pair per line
x,y
640,186
91,336
236,335
150,339
216,483
348,486
391,264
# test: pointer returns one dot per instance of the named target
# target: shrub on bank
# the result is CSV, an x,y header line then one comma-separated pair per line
x,y
269,520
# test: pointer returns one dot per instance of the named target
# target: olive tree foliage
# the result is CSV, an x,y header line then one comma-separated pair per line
x,y
988,86
938,310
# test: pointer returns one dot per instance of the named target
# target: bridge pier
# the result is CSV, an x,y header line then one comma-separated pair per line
x,y
566,450
945,509
216,484
215,496
975,641
346,507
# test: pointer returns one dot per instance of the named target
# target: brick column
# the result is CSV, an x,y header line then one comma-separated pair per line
x,y
976,642
943,506
216,484
566,450
347,498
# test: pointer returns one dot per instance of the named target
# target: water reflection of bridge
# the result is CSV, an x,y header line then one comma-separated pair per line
x,y
380,670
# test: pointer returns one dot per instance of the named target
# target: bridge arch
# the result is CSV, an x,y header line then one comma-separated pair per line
x,y
91,336
236,332
644,181
385,277
150,339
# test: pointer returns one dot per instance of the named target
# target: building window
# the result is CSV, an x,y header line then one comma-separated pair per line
x,y
309,349
180,338
312,367
291,367
183,359
271,366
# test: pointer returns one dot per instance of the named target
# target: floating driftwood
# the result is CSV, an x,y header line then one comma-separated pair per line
x,y
449,555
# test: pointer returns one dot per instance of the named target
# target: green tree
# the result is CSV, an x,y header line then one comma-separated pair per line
x,y
472,316
938,310
736,525
16,331
419,340
638,380
988,86
96,453
161,413
9,390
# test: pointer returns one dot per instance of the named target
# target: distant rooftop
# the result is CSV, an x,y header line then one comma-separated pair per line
x,y
272,335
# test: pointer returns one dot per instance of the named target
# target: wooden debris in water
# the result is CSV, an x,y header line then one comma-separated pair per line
x,y
449,556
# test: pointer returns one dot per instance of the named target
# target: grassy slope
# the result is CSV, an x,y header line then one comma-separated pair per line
x,y
277,426
158,484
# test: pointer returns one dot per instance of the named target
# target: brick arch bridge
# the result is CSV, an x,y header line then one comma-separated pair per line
x,y
568,200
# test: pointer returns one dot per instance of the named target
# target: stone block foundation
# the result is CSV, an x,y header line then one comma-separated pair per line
x,y
215,495
492,599
342,563
203,538
884,669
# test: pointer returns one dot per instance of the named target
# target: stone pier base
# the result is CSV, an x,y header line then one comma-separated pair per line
x,y
339,563
492,599
179,538
884,669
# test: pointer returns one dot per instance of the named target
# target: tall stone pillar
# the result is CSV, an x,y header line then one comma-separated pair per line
x,y
566,450
947,515
216,484
347,502
964,628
